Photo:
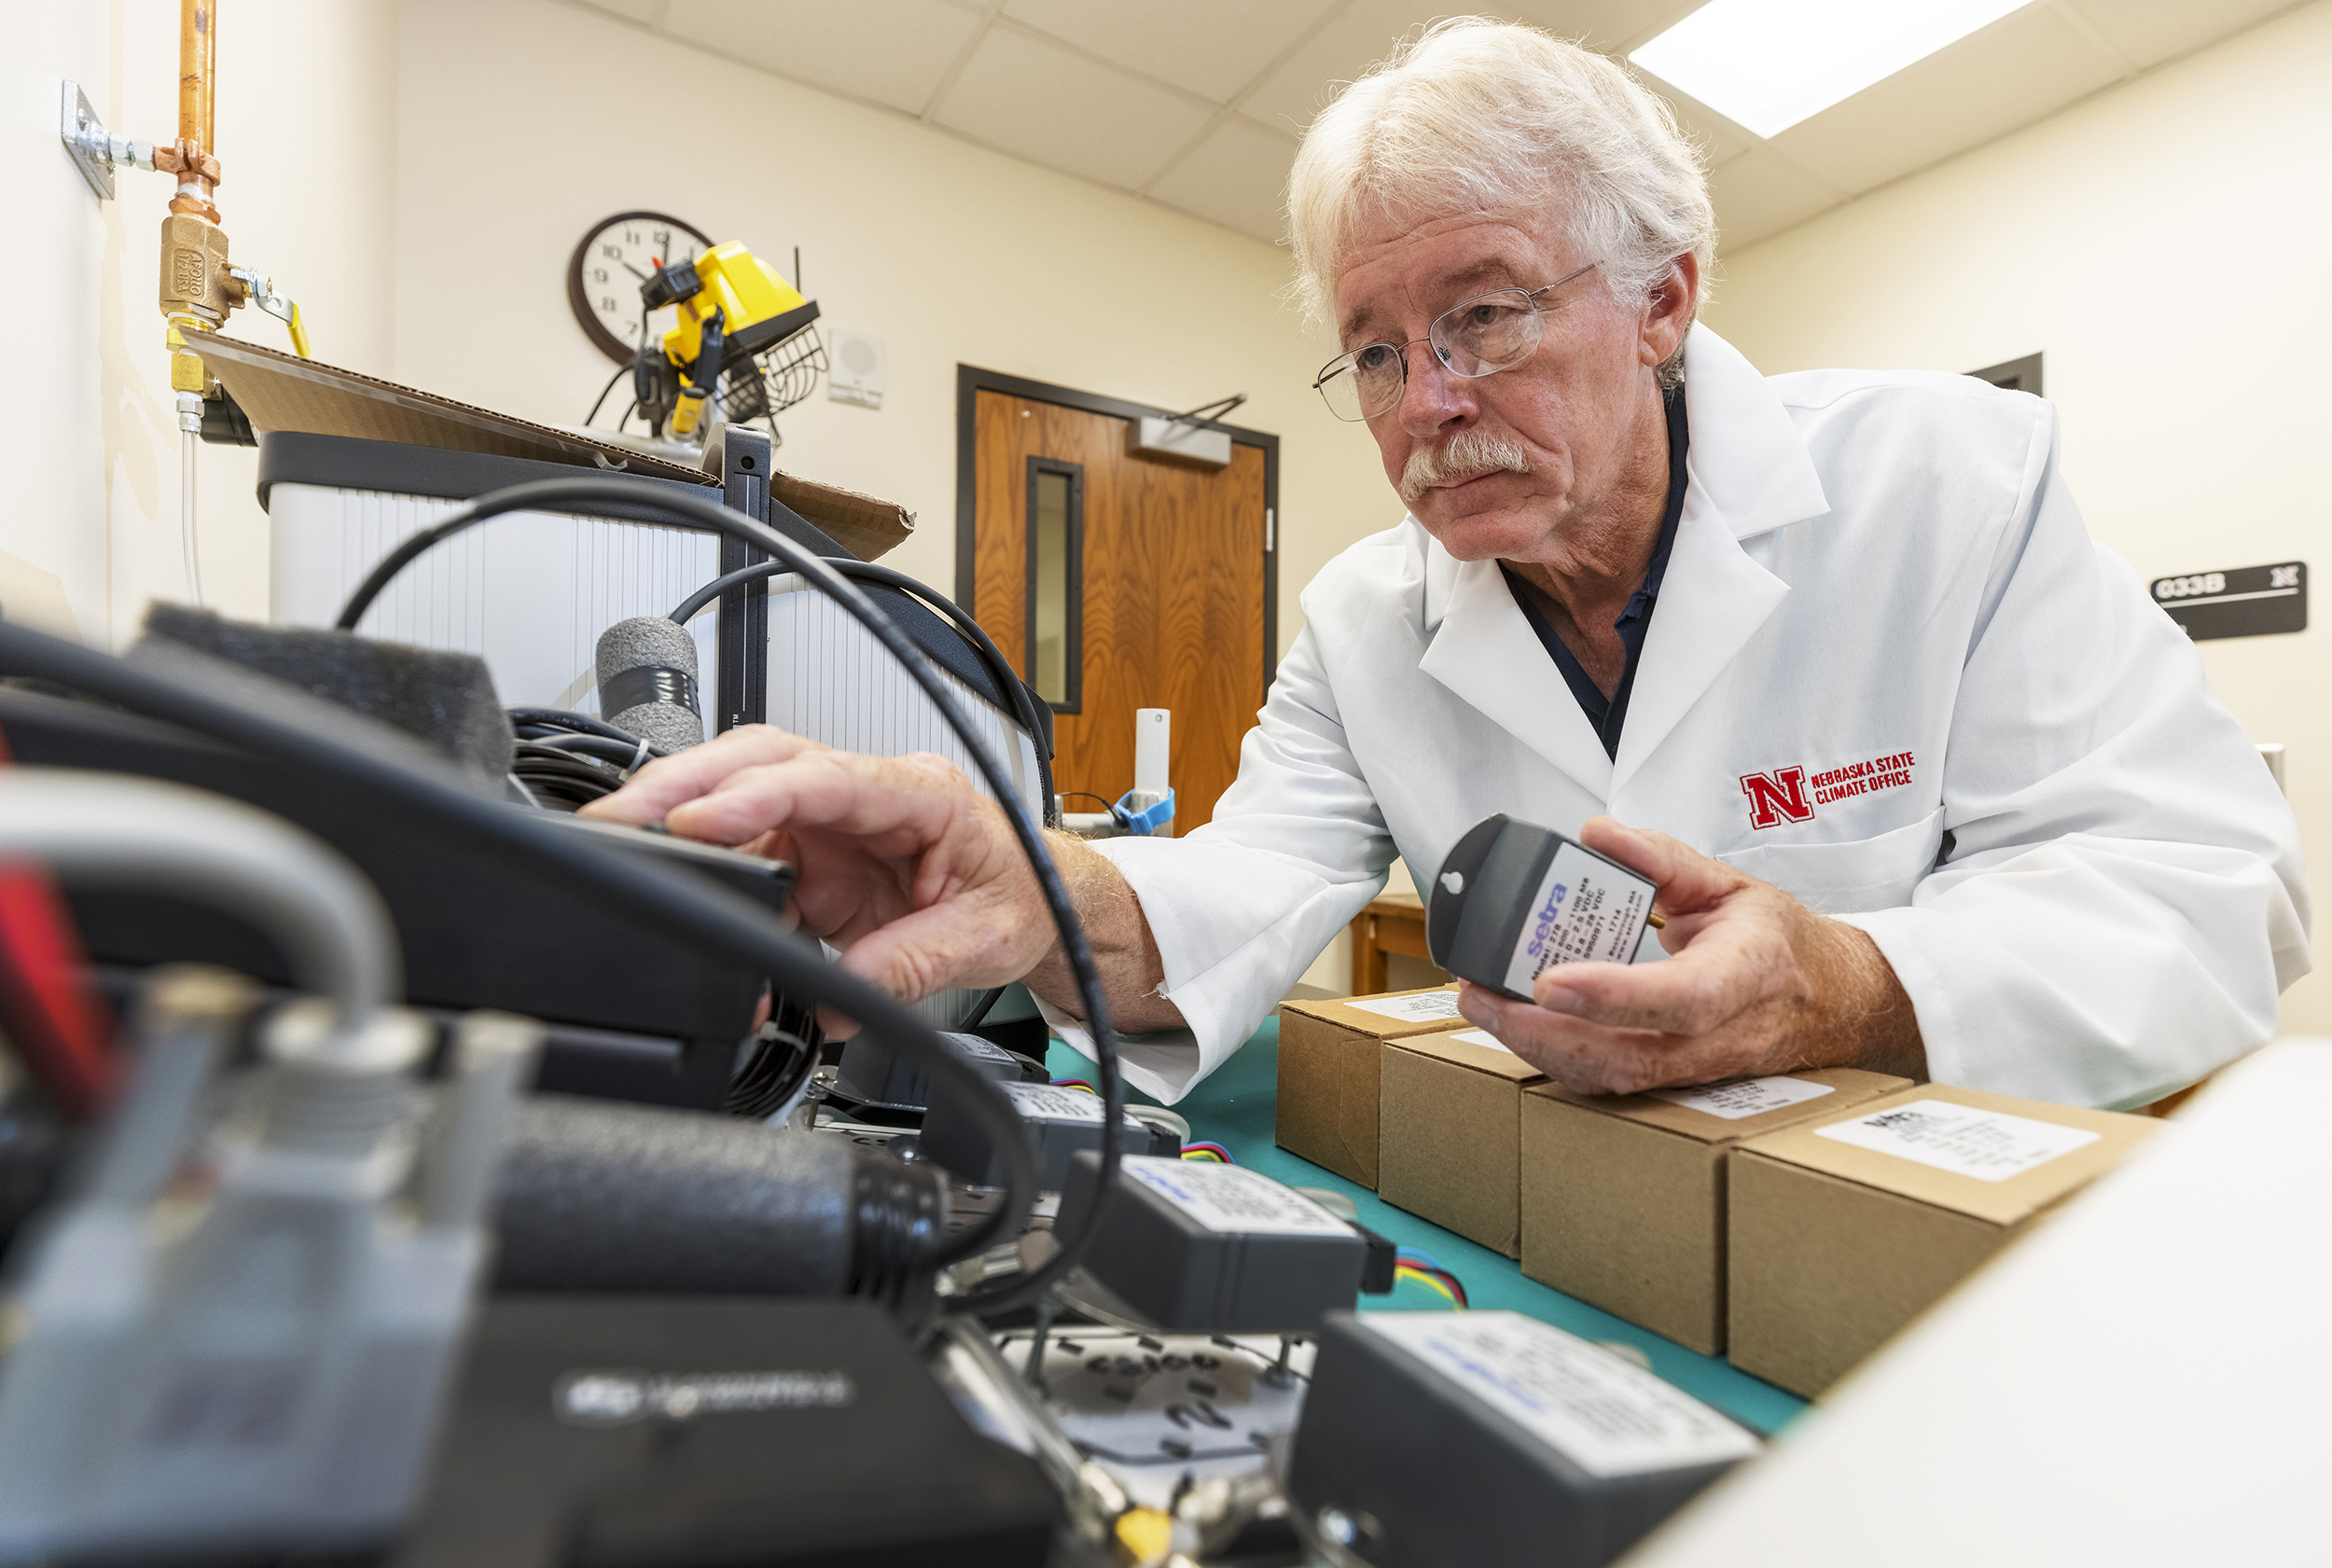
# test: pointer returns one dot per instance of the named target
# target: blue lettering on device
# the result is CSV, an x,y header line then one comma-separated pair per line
x,y
1546,917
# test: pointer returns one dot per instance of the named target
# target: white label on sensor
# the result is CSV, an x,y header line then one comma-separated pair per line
x,y
1232,1199
1606,1416
1744,1097
1035,1101
1587,912
1423,1008
1989,1145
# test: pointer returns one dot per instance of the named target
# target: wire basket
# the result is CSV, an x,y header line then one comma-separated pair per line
x,y
782,376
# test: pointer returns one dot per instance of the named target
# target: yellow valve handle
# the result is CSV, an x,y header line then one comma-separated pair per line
x,y
298,333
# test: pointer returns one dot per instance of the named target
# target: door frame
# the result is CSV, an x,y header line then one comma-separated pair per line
x,y
971,381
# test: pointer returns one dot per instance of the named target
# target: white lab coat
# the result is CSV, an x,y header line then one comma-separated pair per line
x,y
2014,776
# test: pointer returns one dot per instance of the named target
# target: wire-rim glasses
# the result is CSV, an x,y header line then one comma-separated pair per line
x,y
1479,336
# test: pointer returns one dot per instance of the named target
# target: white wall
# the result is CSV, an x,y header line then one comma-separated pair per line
x,y
52,525
2161,244
304,96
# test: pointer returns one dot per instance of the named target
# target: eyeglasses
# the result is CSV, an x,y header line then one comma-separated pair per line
x,y
1485,335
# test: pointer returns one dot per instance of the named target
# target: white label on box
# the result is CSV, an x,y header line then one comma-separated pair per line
x,y
1606,1415
1989,1145
1232,1199
1743,1097
1587,912
1423,1008
1056,1105
1481,1038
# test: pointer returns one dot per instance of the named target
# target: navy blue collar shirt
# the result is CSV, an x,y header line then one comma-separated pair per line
x,y
1608,714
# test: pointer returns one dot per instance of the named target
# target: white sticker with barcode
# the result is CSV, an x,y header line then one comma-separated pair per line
x,y
1053,1102
1481,1038
1743,1097
1989,1145
1424,1007
1233,1200
1587,912
1606,1415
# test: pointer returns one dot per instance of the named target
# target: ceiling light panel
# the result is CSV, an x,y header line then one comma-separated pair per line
x,y
1769,64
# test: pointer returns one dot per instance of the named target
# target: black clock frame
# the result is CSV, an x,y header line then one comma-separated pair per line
x,y
579,300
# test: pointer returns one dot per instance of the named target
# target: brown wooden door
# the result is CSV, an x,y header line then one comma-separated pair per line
x,y
1172,594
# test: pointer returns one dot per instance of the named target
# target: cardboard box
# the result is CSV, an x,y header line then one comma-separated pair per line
x,y
1450,1136
1329,1071
1844,1229
1623,1196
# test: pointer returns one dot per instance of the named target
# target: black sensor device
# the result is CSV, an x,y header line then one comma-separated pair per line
x,y
1452,1439
875,1071
1513,899
661,1431
1061,1121
1200,1248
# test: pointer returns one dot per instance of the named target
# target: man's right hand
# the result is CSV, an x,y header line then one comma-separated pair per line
x,y
902,864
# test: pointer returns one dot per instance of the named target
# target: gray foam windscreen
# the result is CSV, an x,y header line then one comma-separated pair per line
x,y
647,680
445,699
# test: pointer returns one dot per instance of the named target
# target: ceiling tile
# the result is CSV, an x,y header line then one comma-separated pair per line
x,y
1717,137
1237,177
1363,35
892,51
1609,25
2152,31
2022,68
1758,195
1211,47
1031,97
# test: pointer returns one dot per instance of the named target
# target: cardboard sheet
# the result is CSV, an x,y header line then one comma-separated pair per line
x,y
279,391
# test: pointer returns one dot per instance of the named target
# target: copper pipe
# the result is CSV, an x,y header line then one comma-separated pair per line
x,y
198,137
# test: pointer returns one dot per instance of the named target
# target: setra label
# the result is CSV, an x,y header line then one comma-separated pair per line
x,y
1587,912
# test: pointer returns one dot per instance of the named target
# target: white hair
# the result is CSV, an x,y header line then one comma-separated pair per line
x,y
1478,115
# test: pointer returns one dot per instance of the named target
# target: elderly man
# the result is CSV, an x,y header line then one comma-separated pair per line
x,y
1926,781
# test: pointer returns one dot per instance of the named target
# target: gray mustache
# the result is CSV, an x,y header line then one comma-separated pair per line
x,y
1467,456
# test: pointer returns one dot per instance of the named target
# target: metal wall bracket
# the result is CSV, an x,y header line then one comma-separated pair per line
x,y
85,138
95,153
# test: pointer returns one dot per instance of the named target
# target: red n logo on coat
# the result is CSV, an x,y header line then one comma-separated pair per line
x,y
1777,797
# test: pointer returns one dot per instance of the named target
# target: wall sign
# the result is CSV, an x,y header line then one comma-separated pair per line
x,y
2241,601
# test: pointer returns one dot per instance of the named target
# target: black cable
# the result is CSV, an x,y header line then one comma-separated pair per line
x,y
621,370
582,724
563,494
1015,691
626,755
978,1015
396,782
1109,806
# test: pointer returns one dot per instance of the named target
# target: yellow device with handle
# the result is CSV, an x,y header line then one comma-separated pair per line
x,y
732,306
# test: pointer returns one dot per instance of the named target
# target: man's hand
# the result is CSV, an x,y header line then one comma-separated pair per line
x,y
1756,983
901,863
906,867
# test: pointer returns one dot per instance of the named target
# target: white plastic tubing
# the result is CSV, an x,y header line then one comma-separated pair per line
x,y
120,831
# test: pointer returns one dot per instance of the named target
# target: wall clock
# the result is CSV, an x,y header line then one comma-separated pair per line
x,y
603,279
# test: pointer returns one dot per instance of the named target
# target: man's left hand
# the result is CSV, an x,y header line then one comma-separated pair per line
x,y
1756,983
